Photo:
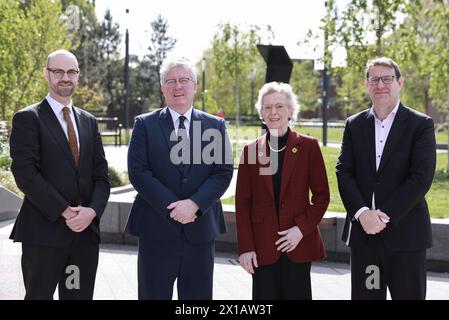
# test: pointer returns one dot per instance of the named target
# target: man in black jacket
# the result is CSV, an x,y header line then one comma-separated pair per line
x,y
59,164
385,168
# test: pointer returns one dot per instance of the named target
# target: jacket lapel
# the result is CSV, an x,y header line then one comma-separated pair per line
x,y
81,124
263,161
196,143
369,136
166,124
394,136
55,129
291,154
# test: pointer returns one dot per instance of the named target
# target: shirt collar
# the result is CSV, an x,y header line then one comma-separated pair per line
x,y
392,113
175,115
57,106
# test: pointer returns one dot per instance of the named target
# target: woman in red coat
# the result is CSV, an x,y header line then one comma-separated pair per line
x,y
277,222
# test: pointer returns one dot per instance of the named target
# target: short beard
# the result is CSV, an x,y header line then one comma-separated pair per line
x,y
64,92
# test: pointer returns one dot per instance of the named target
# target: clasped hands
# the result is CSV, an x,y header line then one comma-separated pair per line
x,y
78,218
288,242
183,211
373,221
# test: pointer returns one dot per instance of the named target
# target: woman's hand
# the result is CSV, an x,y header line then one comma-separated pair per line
x,y
248,260
289,241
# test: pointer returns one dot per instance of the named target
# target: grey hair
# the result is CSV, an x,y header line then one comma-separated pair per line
x,y
177,63
279,87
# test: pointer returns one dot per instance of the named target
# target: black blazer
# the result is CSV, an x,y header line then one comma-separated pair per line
x,y
44,169
404,176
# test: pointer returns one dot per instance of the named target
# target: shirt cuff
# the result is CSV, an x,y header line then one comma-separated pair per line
x,y
359,212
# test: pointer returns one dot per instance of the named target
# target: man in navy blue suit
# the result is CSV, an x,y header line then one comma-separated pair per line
x,y
180,163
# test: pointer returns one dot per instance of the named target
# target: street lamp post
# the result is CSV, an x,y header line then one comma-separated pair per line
x,y
253,76
126,106
203,92
325,96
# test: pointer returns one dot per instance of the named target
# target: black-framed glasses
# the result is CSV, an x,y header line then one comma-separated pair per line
x,y
59,73
184,82
385,79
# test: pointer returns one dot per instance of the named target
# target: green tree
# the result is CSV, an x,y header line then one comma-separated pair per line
x,y
367,29
161,45
438,17
305,83
110,66
234,57
29,30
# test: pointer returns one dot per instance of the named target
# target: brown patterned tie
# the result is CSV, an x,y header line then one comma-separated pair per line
x,y
72,136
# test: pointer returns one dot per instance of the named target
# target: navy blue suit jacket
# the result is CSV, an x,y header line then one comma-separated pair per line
x,y
160,182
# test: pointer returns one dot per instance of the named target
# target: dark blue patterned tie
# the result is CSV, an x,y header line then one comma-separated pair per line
x,y
181,128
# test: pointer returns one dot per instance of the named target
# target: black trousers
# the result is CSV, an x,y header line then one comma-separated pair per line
x,y
374,268
72,268
161,262
282,280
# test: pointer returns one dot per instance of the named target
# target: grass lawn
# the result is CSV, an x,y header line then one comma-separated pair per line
x,y
437,197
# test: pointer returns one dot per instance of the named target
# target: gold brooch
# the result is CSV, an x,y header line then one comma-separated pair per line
x,y
294,149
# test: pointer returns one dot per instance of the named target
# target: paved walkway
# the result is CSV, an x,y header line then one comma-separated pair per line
x,y
117,275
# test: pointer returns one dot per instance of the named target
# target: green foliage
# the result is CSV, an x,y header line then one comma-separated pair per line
x,y
7,180
5,162
305,83
231,65
161,45
89,99
29,31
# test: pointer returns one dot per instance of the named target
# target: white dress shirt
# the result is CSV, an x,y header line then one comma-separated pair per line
x,y
175,118
57,109
382,129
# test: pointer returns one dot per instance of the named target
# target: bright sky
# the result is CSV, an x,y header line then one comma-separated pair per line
x,y
193,23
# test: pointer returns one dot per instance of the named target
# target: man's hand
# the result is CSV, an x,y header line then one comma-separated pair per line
x,y
289,241
68,213
248,261
183,211
82,220
373,221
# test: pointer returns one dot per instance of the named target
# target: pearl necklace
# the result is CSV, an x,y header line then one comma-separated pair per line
x,y
274,150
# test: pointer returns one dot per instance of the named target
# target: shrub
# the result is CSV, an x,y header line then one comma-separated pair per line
x,y
7,180
114,178
5,162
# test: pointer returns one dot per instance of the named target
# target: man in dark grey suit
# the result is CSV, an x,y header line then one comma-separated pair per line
x,y
59,164
385,168
180,163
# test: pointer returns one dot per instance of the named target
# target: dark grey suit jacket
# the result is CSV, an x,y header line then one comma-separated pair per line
x,y
45,171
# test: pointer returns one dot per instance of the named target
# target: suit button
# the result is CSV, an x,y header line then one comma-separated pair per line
x,y
184,180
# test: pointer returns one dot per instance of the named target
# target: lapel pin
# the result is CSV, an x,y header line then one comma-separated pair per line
x,y
294,149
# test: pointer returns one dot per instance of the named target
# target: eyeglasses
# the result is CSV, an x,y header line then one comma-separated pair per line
x,y
59,73
385,79
183,82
